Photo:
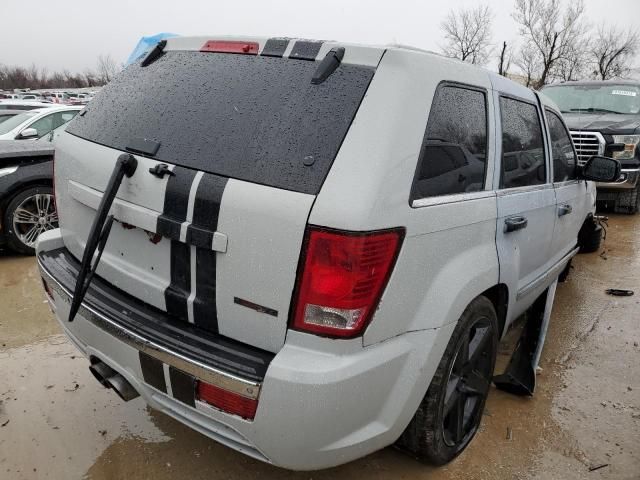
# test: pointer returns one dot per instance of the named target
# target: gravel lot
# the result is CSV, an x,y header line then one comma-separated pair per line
x,y
57,422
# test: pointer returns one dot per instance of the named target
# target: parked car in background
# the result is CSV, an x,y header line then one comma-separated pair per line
x,y
32,97
36,123
27,207
26,192
7,114
279,271
55,97
23,105
604,118
76,98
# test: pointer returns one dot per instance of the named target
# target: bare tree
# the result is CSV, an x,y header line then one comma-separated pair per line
x,y
529,62
613,51
107,68
574,64
504,60
553,32
468,34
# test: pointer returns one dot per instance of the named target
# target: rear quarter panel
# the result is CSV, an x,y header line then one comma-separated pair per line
x,y
449,255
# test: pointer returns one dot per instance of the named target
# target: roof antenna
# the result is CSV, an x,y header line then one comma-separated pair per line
x,y
155,53
328,65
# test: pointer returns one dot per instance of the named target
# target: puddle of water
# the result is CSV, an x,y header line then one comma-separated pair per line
x,y
60,419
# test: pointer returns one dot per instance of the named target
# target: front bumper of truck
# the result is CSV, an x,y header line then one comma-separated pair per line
x,y
629,178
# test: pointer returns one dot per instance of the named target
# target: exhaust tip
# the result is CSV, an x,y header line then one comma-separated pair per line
x,y
109,378
122,387
101,371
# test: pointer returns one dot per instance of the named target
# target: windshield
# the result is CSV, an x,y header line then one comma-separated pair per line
x,y
13,122
609,98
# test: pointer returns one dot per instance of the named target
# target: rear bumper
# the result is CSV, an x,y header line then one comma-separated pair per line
x,y
321,402
629,178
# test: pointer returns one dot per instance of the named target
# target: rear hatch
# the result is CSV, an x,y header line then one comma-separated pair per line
x,y
249,141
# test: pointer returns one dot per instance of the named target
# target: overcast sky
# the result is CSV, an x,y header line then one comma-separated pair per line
x,y
72,33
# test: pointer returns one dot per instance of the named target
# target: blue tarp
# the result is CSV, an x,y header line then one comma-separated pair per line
x,y
145,44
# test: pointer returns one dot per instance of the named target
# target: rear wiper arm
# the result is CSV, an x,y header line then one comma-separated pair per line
x,y
100,229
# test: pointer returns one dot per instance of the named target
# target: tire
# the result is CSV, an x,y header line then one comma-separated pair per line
x,y
29,213
590,237
429,436
628,201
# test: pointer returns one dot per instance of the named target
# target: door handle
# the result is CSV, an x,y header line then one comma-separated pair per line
x,y
512,224
565,209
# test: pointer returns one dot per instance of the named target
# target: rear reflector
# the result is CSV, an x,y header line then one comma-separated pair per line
x,y
226,401
226,46
342,280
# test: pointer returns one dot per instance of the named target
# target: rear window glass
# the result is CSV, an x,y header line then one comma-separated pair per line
x,y
248,117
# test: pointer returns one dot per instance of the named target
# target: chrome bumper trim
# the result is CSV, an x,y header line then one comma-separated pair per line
x,y
207,374
630,178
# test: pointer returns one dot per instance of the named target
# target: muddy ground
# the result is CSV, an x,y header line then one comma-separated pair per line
x,y
57,422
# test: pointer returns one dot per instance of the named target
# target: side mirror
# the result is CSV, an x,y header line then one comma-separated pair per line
x,y
601,169
28,133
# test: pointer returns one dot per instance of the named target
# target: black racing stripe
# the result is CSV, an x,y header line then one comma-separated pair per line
x,y
205,310
179,289
168,227
275,47
207,203
152,371
176,202
199,237
206,209
183,386
176,199
305,50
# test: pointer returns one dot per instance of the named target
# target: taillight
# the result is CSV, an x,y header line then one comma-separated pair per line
x,y
227,401
231,46
342,279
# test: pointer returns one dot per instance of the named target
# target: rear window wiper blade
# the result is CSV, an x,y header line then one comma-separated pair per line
x,y
100,229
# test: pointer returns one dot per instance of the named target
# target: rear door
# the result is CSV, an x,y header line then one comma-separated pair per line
x,y
248,141
526,200
570,192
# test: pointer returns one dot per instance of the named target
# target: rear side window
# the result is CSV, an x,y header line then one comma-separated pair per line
x,y
249,117
523,160
454,150
564,157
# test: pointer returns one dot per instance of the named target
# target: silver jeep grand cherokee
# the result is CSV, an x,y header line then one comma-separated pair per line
x,y
309,250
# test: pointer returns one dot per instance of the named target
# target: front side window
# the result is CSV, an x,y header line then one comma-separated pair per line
x,y
44,125
454,149
523,160
564,157
15,121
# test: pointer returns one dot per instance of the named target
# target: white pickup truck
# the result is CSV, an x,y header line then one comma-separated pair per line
x,y
309,250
